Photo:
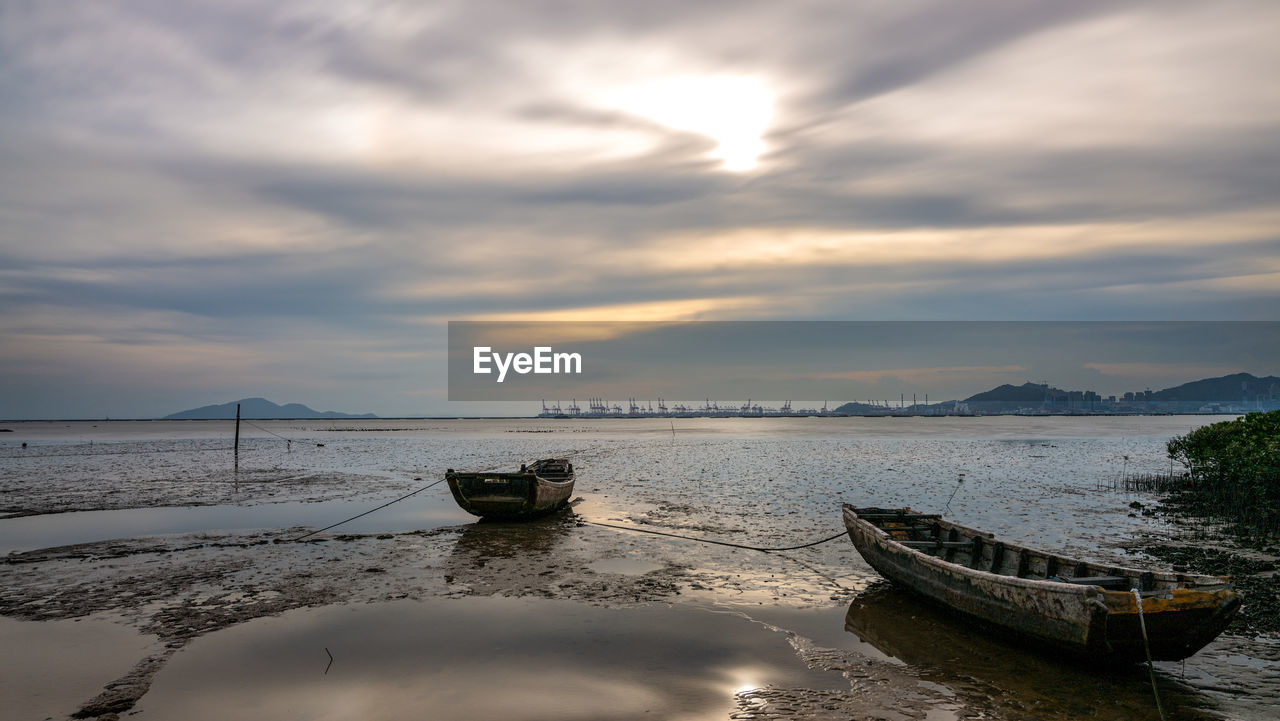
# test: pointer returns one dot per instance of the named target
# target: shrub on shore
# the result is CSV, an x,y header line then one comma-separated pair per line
x,y
1233,473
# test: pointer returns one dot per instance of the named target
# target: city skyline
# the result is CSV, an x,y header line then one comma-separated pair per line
x,y
1265,396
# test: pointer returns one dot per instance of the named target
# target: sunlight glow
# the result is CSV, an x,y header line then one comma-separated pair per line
x,y
824,247
680,309
733,111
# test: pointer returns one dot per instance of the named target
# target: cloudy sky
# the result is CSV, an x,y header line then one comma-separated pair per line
x,y
201,201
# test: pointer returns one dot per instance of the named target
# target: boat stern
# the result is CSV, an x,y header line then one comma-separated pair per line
x,y
494,494
1179,622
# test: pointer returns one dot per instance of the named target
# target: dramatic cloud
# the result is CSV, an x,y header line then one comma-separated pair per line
x,y
205,200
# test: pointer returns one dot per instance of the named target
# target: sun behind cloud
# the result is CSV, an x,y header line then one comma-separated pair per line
x,y
734,111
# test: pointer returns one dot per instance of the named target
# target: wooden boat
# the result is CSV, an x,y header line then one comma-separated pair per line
x,y
1086,609
538,488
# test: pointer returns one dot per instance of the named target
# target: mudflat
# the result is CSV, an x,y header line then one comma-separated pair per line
x,y
140,605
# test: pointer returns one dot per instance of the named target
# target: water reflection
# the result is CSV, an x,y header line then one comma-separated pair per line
x,y
478,659
510,556
996,675
505,539
54,665
59,529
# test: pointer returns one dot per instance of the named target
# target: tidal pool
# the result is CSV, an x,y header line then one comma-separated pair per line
x,y
479,659
49,667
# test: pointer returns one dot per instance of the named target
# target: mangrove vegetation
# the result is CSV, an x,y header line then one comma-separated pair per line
x,y
1233,474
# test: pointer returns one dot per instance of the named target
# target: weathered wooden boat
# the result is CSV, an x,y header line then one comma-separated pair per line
x,y
537,489
1086,609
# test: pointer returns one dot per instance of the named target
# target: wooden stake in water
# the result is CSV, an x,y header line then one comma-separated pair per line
x,y
236,447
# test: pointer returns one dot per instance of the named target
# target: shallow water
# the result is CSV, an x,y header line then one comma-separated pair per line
x,y
480,659
1033,478
1043,482
51,666
503,658
43,531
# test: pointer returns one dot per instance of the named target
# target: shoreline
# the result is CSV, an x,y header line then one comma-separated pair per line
x,y
644,416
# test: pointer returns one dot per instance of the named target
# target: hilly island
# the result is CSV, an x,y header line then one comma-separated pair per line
x,y
258,409
1234,393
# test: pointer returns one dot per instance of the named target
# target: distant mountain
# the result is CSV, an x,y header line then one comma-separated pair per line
x,y
1025,393
1235,387
258,409
1238,392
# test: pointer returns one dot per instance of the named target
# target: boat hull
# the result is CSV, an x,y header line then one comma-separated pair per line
x,y
510,496
1086,621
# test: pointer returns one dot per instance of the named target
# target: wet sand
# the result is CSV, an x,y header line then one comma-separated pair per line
x,y
556,618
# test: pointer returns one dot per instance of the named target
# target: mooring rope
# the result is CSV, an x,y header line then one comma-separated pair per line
x,y
1151,669
713,541
359,515
264,430
593,523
